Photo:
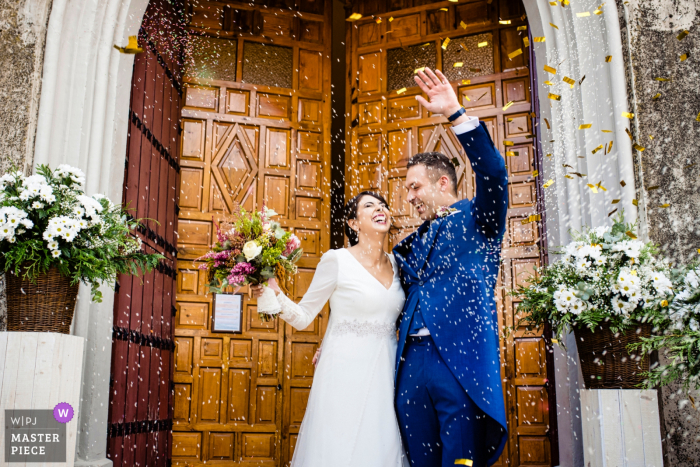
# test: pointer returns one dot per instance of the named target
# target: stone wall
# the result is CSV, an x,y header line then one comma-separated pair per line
x,y
668,110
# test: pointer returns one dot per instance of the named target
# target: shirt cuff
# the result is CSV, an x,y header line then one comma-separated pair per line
x,y
464,127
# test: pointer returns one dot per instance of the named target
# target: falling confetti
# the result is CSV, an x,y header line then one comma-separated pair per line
x,y
549,69
445,43
538,39
548,183
507,106
569,81
608,58
514,54
584,126
555,97
628,115
583,14
354,17
682,35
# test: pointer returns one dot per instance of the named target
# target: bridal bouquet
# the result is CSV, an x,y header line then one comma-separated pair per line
x,y
252,249
605,276
680,341
47,220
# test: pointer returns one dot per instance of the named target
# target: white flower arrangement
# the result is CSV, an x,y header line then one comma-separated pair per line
x,y
47,220
604,275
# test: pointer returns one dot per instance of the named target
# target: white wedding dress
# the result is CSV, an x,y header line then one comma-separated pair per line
x,y
350,418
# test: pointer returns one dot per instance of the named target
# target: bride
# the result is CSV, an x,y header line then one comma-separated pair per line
x,y
350,418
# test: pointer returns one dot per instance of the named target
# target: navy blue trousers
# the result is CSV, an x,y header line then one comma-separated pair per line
x,y
439,422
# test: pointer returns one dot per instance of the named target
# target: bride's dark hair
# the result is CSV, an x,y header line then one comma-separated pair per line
x,y
351,213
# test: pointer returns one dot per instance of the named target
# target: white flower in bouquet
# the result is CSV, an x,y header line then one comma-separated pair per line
x,y
622,306
662,284
251,250
92,207
692,279
563,298
627,283
66,171
600,231
631,248
268,213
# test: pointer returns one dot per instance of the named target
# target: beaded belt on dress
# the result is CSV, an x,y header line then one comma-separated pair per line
x,y
364,328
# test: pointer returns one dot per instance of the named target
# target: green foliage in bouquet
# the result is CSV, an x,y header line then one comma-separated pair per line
x,y
605,275
680,341
251,249
46,220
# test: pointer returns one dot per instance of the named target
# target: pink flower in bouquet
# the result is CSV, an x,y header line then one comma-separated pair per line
x,y
239,273
292,244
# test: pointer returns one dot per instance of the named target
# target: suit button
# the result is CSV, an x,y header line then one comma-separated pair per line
x,y
420,283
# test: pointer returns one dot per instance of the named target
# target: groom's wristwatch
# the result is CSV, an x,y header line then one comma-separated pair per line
x,y
457,114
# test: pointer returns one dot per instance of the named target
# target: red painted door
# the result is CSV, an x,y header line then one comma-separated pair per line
x,y
140,412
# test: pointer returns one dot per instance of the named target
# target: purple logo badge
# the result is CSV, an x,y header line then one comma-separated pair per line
x,y
63,412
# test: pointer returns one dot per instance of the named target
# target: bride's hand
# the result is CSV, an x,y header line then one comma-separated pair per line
x,y
257,290
317,355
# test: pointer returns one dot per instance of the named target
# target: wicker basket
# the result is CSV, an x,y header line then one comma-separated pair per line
x,y
44,306
605,362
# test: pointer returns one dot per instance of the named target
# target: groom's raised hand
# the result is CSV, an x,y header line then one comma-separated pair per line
x,y
442,98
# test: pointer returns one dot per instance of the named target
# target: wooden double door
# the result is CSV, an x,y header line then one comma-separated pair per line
x,y
255,127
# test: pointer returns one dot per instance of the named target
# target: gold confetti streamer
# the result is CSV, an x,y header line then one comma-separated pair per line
x,y
463,462
684,57
631,235
592,187
655,187
131,48
615,201
612,212
475,70
444,9
549,83
555,341
651,137
585,126
507,106
466,81
512,153
539,39
445,43
553,3
622,183
662,79
682,35
635,202
415,72
600,186
598,148
606,131
664,206
569,81
483,44
526,42
504,21
697,119
628,115
610,147
354,17
547,123
608,58
568,176
638,147
531,218
467,98
512,55
463,25
564,2
549,69
554,25
379,20
583,14
548,183
535,173
581,80
549,154
507,143
458,65
598,12
391,18
401,91
554,97
628,133
522,28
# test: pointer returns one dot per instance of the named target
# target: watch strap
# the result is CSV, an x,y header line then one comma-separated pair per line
x,y
457,114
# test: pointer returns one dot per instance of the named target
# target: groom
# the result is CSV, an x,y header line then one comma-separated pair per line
x,y
449,400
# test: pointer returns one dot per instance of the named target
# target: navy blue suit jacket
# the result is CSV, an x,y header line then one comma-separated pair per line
x,y
451,274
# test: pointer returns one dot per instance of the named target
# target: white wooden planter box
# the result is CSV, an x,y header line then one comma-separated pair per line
x,y
621,428
37,371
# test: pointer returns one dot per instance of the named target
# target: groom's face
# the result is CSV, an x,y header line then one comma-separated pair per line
x,y
425,192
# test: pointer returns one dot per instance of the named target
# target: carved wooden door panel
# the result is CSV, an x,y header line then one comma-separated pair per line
x,y
255,129
482,48
140,408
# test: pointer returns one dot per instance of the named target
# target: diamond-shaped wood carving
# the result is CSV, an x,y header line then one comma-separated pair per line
x,y
234,166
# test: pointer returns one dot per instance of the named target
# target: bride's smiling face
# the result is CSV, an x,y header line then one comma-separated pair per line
x,y
373,216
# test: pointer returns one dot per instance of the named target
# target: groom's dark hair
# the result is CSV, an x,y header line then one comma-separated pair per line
x,y
438,165
351,213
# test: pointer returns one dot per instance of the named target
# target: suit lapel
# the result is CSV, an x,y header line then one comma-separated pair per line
x,y
426,244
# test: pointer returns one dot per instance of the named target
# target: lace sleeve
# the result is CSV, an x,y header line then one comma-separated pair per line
x,y
322,286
